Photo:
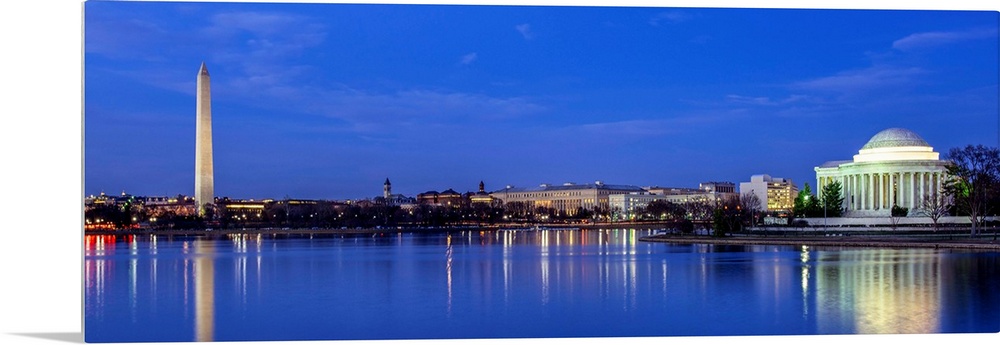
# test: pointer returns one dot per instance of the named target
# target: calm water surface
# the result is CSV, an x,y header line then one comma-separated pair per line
x,y
504,284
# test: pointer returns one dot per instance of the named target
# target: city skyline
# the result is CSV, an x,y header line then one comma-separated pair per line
x,y
326,101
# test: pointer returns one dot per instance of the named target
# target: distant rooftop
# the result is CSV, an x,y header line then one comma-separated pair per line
x,y
571,186
834,164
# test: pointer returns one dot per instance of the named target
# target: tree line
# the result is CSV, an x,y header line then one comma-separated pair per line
x,y
728,214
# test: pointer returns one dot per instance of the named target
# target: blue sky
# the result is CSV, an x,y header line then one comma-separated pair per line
x,y
327,100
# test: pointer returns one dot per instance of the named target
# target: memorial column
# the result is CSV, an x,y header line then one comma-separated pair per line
x,y
936,184
844,190
869,191
861,191
892,189
850,202
885,190
920,186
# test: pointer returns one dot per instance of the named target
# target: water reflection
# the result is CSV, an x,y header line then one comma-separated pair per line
x,y
242,249
879,291
804,259
204,280
133,288
447,254
508,240
584,262
153,244
95,271
544,283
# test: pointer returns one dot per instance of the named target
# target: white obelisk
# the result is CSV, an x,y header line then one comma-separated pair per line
x,y
204,190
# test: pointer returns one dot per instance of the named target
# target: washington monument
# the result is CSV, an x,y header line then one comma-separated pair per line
x,y
204,190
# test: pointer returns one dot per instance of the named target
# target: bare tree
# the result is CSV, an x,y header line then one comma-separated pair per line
x,y
935,206
751,204
700,210
974,177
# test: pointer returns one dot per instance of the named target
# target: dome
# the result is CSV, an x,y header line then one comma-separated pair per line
x,y
895,137
896,144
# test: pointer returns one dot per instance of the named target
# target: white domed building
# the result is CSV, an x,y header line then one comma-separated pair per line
x,y
895,167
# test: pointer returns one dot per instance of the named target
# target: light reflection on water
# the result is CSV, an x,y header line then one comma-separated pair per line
x,y
545,283
882,291
204,281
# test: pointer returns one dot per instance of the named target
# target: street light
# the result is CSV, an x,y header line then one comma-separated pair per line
x,y
822,200
824,213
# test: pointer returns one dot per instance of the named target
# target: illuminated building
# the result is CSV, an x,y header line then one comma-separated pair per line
x,y
204,189
481,196
296,206
896,167
455,199
99,200
776,194
707,192
448,197
388,198
111,200
566,198
628,204
243,209
159,206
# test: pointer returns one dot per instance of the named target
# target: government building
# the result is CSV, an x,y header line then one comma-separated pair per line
x,y
896,167
708,193
566,198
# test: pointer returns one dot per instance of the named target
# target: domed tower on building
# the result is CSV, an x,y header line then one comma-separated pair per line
x,y
895,168
482,196
387,189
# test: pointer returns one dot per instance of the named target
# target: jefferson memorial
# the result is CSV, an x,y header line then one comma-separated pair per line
x,y
895,167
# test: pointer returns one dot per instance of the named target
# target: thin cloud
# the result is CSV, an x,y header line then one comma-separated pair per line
x,y
766,101
868,79
268,80
273,36
129,38
671,17
629,128
469,58
525,30
932,39
368,111
684,123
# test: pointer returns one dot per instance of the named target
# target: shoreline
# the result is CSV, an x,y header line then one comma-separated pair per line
x,y
980,244
320,231
386,230
873,240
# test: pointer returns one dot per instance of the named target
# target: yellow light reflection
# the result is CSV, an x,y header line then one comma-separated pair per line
x,y
804,259
204,281
508,243
544,263
448,253
890,291
133,278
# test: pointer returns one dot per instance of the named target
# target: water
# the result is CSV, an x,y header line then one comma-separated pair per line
x,y
517,284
